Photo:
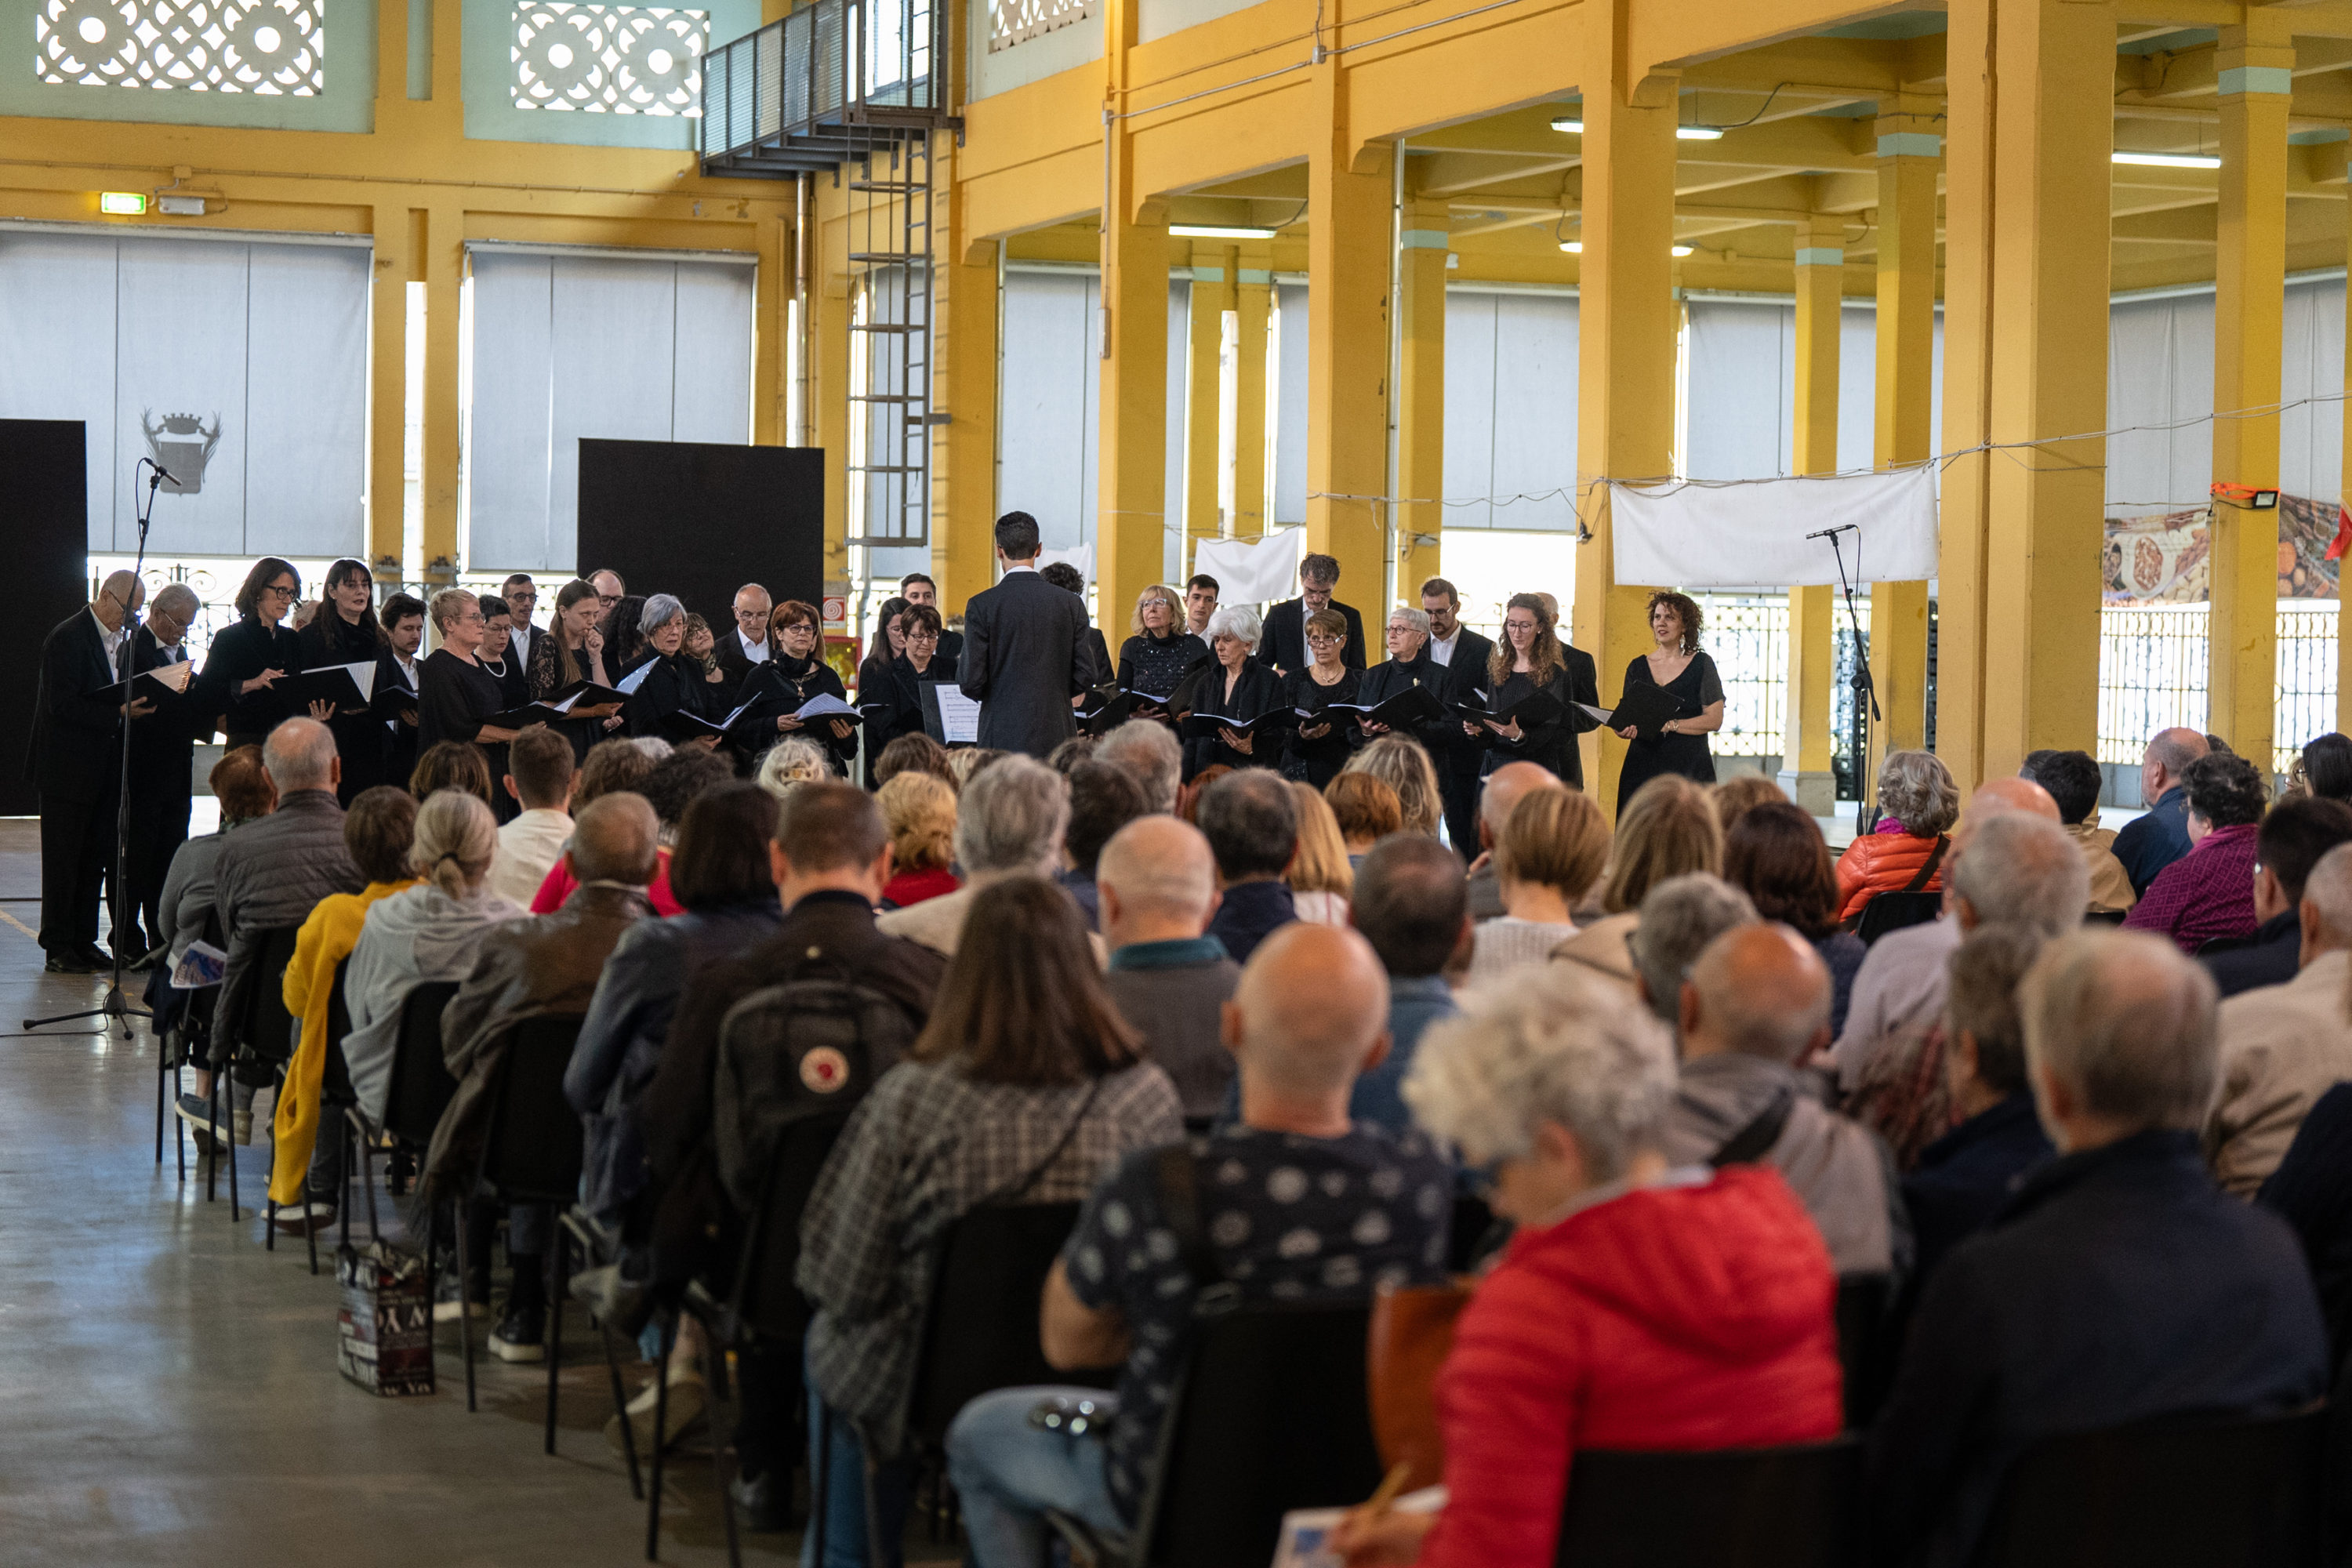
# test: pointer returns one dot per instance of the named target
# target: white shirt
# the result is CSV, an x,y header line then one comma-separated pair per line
x,y
528,848
1012,566
754,652
1441,648
407,667
112,639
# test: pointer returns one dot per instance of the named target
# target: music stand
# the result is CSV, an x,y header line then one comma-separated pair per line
x,y
117,1006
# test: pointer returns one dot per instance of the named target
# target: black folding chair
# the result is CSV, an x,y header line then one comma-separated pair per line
x,y
1891,911
1796,1506
1864,1304
262,1043
2241,1491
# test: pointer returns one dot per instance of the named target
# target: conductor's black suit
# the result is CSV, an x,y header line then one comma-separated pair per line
x,y
76,763
1025,656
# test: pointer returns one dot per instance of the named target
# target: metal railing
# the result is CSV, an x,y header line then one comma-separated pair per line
x,y
831,82
2152,675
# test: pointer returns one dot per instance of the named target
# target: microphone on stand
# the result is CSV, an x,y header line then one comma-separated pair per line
x,y
1833,533
164,475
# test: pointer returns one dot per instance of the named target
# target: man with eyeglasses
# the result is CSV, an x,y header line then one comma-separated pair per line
x,y
918,589
1283,644
74,763
166,725
748,646
610,589
521,595
1463,654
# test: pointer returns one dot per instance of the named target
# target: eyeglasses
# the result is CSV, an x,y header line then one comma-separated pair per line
x,y
283,590
608,598
1322,639
922,637
1404,629
1518,625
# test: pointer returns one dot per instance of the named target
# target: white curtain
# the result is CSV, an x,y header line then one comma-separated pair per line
x,y
608,347
2311,439
1740,407
261,346
2159,371
1289,397
1510,410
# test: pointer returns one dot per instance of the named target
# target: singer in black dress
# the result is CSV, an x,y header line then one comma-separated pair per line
x,y
345,631
1678,664
240,674
456,696
1527,660
1234,687
1155,661
797,673
1317,758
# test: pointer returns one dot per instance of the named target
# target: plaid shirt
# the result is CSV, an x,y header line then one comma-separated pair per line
x,y
2206,893
926,1145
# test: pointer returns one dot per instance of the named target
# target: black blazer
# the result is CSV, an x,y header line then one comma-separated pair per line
x,y
239,653
1025,654
1259,691
1283,644
734,663
674,684
793,682
1456,683
74,737
1392,677
163,743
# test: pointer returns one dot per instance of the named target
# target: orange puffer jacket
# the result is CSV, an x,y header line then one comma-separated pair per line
x,y
1883,863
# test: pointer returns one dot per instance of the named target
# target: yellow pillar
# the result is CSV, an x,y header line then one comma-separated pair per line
x,y
1253,304
2025,355
1625,344
2256,77
963,450
1204,395
830,299
1420,396
388,391
439,237
771,395
1348,236
1807,741
1910,153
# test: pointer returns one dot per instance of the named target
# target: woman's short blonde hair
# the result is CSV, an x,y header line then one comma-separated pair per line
x,y
918,813
1556,838
1364,807
455,839
793,760
1166,595
1669,827
1400,762
1321,863
1917,790
1560,1044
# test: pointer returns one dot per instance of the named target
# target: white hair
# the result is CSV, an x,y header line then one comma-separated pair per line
x,y
659,611
1149,753
2022,867
1236,621
1412,616
1011,818
1559,1045
790,760
299,755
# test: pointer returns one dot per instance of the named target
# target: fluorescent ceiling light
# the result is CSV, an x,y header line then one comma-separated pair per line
x,y
1217,231
1572,127
2167,159
1698,133
1576,248
1681,250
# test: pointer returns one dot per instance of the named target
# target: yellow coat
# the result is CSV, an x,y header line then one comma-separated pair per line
x,y
325,940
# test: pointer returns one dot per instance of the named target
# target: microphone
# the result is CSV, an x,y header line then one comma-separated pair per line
x,y
1833,533
162,474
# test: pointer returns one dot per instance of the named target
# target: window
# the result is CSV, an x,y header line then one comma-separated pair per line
x,y
275,47
609,59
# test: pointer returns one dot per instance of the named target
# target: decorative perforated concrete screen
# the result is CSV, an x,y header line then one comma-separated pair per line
x,y
269,46
609,59
1012,21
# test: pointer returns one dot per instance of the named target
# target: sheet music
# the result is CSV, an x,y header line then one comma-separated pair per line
x,y
959,716
629,683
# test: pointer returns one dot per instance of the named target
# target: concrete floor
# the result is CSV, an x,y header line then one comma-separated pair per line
x,y
168,1390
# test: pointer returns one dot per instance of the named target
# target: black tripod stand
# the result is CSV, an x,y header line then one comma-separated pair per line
x,y
1865,690
117,1006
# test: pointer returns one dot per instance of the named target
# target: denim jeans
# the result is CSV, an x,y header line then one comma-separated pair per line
x,y
844,1499
1007,1472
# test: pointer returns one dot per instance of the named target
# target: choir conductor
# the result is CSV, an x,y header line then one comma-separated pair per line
x,y
1024,649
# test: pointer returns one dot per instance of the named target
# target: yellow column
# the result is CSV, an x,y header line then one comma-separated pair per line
x,y
828,395
1420,396
2256,77
388,390
963,450
439,237
1204,395
1625,344
1806,745
2023,536
770,395
1910,153
1349,208
1253,304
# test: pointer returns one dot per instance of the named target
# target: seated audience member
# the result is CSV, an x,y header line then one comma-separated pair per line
x,y
677,781
451,764
1906,853
1554,848
1252,826
1680,918
1503,790
1296,1204
1152,756
1365,810
1103,798
241,785
547,965
1402,763
272,874
1027,1087
2293,835
913,753
2118,1285
1412,905
1608,1322
2074,781
540,777
2209,891
377,830
796,760
1070,754
1168,978
1320,878
1898,994
919,812
2283,1046
613,766
2159,834
1964,1176
2323,769
1010,822
1667,830
1735,796
1757,1004
2312,1191
968,762
1777,856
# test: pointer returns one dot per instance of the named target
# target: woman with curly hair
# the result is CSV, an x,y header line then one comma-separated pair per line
x,y
1526,660
1402,763
1679,665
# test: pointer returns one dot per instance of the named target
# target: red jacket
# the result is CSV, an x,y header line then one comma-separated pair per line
x,y
1674,1317
1883,863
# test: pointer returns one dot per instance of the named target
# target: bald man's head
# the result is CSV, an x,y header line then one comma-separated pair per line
x,y
119,597
1159,870
299,754
614,839
1761,990
1312,1006
1998,795
1506,787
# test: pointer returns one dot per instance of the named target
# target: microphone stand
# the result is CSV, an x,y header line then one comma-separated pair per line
x,y
1865,690
117,1006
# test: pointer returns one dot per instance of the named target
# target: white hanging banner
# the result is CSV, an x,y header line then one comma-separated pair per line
x,y
1756,535
1253,571
1082,558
